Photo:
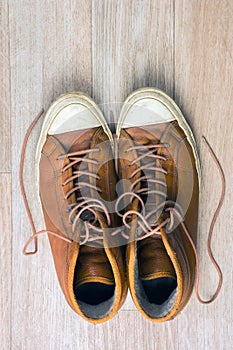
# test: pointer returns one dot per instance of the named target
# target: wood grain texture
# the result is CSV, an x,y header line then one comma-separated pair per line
x,y
129,330
132,47
5,132
109,48
5,261
66,48
50,53
203,89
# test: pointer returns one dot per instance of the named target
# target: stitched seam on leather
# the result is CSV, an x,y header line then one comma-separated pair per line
x,y
57,188
175,171
51,150
157,275
186,274
95,279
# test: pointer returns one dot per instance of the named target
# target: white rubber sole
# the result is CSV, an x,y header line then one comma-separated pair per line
x,y
170,105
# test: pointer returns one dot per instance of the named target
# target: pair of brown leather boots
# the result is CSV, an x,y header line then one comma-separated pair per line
x,y
121,210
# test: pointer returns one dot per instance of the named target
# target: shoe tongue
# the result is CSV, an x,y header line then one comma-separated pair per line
x,y
93,266
154,261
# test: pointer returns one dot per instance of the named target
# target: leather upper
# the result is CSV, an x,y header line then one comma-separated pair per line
x,y
103,265
171,254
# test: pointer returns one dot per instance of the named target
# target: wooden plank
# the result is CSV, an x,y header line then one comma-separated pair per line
x,y
66,49
129,330
5,261
132,47
50,53
203,89
5,130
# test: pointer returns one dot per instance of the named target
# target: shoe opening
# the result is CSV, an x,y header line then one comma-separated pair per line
x,y
93,284
158,290
94,293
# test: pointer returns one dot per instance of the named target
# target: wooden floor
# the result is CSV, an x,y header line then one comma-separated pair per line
x,y
109,48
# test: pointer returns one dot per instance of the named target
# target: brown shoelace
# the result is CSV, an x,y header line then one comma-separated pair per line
x,y
83,204
174,210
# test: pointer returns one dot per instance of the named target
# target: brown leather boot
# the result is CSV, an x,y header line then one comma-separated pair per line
x,y
77,183
158,160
